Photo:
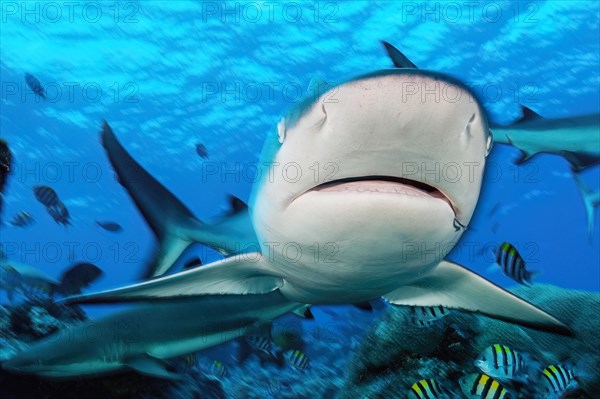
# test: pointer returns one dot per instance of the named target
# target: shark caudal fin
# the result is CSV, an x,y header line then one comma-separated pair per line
x,y
453,286
591,199
399,59
172,222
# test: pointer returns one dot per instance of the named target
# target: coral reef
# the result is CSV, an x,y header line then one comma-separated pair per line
x,y
397,353
346,360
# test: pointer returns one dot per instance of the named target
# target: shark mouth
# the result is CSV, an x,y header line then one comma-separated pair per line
x,y
385,185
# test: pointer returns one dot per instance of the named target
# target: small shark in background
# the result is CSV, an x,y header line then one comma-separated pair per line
x,y
577,139
143,337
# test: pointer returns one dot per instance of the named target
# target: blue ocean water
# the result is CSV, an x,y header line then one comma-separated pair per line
x,y
170,74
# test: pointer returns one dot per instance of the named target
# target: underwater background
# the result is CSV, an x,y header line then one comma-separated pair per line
x,y
168,75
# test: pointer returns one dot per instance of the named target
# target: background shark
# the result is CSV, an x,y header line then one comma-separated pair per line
x,y
386,225
577,139
141,338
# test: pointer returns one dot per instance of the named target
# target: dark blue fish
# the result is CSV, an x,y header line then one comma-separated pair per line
x,y
46,196
78,277
110,226
22,219
34,84
513,264
201,150
59,213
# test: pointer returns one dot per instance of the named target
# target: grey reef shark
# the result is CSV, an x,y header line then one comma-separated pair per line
x,y
365,218
577,138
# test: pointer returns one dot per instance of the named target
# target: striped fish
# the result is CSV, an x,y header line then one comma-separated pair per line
x,y
512,264
557,379
216,370
482,386
22,219
425,316
296,359
426,389
501,362
46,195
59,213
260,343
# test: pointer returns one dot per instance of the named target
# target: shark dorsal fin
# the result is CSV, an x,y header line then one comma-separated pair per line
x,y
528,115
399,59
236,205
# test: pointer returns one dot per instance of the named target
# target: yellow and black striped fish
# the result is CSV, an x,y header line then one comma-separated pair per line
x,y
501,362
296,359
424,316
482,386
557,379
260,343
426,389
513,264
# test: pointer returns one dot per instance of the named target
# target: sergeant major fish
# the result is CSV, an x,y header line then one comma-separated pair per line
x,y
296,358
427,389
557,380
513,265
482,386
501,362
424,316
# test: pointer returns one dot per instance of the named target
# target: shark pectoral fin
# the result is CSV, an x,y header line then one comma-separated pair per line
x,y
162,210
452,286
148,365
237,275
172,222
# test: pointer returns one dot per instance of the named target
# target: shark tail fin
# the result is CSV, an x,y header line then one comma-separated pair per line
x,y
452,286
591,199
169,218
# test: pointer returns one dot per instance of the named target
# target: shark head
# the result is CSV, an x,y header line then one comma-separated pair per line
x,y
60,355
38,360
392,160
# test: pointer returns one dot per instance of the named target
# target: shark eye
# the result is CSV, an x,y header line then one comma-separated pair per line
x,y
281,130
490,144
